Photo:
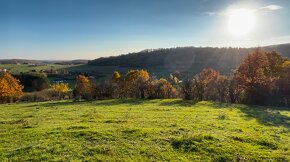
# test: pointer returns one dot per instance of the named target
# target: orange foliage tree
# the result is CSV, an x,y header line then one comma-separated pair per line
x,y
205,84
253,79
10,88
83,88
136,83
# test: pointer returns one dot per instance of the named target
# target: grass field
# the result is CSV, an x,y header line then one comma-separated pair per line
x,y
143,130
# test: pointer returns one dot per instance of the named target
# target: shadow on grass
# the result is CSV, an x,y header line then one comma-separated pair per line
x,y
93,103
179,102
267,116
120,101
264,115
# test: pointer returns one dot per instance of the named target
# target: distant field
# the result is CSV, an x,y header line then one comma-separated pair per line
x,y
14,68
143,130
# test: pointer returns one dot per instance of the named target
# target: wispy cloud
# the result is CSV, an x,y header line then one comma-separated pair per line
x,y
215,13
272,7
264,9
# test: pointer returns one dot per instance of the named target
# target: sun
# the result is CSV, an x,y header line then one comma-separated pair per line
x,y
241,21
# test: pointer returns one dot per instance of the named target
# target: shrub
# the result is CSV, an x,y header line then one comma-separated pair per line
x,y
45,95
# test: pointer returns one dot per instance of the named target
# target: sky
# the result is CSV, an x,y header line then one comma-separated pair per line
x,y
89,29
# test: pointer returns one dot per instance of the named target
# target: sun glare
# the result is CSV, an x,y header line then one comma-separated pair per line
x,y
241,21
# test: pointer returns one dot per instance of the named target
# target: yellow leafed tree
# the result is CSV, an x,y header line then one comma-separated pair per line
x,y
136,83
83,89
10,88
60,87
116,76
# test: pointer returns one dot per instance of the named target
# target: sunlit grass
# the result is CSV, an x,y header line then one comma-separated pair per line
x,y
160,130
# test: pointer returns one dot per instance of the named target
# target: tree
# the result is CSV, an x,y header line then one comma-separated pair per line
x,y
252,77
284,83
160,89
205,85
116,77
105,90
33,81
61,89
222,87
10,88
136,83
83,89
275,63
187,89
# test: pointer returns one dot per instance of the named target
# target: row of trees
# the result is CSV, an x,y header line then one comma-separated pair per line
x,y
262,78
135,84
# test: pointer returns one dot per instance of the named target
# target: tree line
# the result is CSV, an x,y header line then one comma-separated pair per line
x,y
262,78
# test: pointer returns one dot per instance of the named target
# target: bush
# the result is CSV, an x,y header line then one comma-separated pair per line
x,y
45,95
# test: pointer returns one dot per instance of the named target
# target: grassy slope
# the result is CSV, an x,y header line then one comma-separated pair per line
x,y
142,130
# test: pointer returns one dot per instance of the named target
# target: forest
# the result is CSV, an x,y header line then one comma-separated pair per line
x,y
185,59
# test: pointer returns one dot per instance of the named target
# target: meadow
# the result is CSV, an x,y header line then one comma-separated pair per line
x,y
143,130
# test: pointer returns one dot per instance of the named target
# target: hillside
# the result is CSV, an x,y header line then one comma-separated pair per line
x,y
143,130
42,62
186,58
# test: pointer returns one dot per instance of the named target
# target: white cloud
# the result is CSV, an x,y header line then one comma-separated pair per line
x,y
211,13
265,9
272,7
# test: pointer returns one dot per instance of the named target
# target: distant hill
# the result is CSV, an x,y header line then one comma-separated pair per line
x,y
20,61
185,59
42,62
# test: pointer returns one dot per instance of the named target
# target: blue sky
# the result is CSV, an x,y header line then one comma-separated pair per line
x,y
88,29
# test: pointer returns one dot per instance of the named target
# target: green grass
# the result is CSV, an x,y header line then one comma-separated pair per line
x,y
143,130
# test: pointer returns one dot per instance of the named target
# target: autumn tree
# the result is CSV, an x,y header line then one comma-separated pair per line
x,y
252,78
10,88
160,89
136,83
205,84
284,83
61,89
187,89
84,89
275,64
116,77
